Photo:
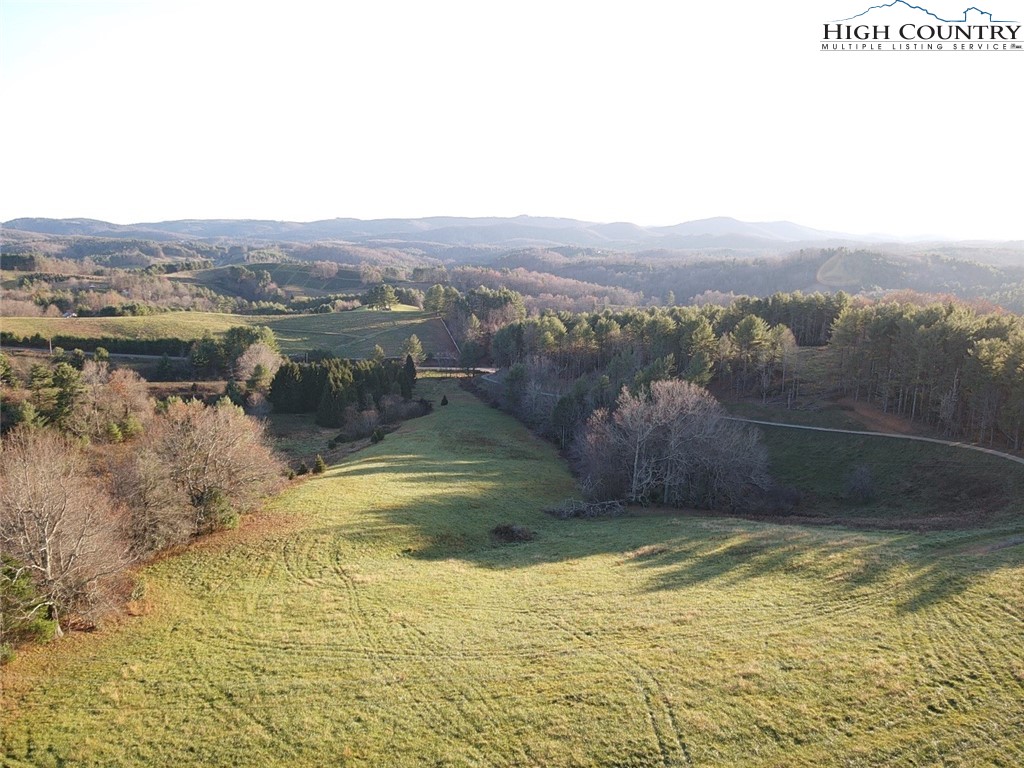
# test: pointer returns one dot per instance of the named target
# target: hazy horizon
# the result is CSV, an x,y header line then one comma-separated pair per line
x,y
801,224
657,114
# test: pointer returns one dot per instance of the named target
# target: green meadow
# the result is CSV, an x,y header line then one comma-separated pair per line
x,y
366,617
299,278
357,332
178,325
347,334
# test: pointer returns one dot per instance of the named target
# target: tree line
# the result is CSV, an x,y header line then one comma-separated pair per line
x,y
337,390
98,477
947,366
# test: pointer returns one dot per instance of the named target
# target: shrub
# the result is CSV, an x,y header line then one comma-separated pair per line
x,y
860,484
214,512
319,465
130,427
573,508
114,433
774,500
302,469
444,400
377,436
22,618
507,533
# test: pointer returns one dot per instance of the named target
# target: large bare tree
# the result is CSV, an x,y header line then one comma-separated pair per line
x,y
114,403
217,457
671,445
57,522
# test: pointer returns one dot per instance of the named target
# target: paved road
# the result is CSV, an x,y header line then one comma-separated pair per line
x,y
949,443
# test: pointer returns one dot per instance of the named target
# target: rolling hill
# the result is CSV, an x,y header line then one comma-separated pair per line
x,y
520,231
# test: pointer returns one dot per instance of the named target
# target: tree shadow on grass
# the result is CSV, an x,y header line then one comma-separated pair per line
x,y
473,475
679,553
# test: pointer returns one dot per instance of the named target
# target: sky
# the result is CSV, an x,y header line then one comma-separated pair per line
x,y
649,112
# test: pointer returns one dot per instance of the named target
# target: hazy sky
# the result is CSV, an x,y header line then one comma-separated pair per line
x,y
651,112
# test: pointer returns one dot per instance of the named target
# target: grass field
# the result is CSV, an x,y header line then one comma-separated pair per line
x,y
355,333
295,277
181,325
348,334
367,618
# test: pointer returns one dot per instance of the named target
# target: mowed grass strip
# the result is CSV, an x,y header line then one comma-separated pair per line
x,y
367,618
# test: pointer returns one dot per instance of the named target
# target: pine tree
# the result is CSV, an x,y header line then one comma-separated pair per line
x,y
413,348
286,389
381,297
337,396
407,378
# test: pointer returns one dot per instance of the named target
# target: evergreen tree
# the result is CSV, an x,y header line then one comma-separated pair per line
x,y
6,372
381,297
70,389
40,377
338,394
207,356
407,379
286,389
413,348
234,392
164,369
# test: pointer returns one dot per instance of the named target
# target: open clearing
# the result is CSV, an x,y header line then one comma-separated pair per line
x,y
347,334
367,618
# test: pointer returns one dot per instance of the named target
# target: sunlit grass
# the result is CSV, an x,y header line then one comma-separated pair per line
x,y
347,334
181,325
367,618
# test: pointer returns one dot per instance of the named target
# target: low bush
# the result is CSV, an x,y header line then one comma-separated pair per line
x,y
507,533
587,509
860,485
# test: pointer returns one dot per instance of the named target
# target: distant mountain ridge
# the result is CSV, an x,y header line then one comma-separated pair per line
x,y
447,231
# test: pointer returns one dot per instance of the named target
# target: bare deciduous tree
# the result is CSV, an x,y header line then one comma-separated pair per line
x,y
217,457
159,512
113,403
672,446
257,365
57,521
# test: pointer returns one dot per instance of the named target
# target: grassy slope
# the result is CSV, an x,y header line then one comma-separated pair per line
x,y
367,619
182,325
349,334
295,277
355,333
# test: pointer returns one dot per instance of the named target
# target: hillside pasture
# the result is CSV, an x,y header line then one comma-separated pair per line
x,y
297,278
367,617
175,325
347,334
904,484
355,333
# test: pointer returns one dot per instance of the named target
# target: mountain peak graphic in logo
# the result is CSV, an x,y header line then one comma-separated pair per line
x,y
987,16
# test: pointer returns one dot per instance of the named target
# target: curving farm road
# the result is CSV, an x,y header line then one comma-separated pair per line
x,y
949,443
